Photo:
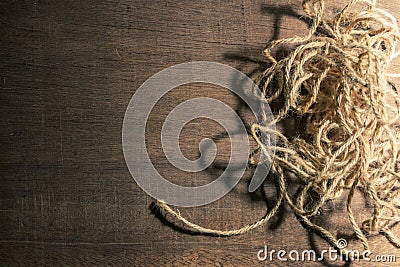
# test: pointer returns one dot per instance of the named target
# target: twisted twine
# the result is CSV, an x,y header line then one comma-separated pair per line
x,y
336,80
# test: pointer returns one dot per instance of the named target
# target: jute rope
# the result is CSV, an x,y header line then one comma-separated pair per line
x,y
335,79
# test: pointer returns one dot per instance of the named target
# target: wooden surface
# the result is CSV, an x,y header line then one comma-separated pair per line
x,y
68,71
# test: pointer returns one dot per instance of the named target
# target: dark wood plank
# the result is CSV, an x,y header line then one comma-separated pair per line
x,y
68,71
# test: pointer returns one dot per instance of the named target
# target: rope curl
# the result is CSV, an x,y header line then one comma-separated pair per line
x,y
336,79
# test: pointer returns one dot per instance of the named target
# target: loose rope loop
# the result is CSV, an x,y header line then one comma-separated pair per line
x,y
336,79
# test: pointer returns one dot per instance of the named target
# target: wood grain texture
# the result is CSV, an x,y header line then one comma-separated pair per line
x,y
68,71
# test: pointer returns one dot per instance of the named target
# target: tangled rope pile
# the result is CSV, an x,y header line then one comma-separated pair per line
x,y
335,79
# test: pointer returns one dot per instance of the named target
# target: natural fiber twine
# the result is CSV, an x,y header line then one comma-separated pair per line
x,y
334,79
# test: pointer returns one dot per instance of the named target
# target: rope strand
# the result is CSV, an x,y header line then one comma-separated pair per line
x,y
336,80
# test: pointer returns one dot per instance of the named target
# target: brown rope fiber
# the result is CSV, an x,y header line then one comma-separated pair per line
x,y
336,80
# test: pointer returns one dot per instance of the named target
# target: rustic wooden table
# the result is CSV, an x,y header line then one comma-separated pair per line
x,y
68,71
